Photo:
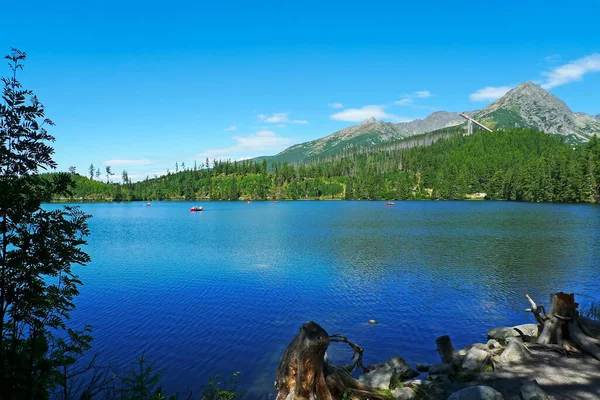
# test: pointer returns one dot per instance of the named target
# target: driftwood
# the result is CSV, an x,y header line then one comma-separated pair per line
x,y
564,327
303,373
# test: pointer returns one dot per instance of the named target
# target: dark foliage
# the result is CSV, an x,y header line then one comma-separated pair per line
x,y
38,248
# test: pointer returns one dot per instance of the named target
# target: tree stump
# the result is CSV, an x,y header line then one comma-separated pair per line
x,y
303,373
563,326
445,348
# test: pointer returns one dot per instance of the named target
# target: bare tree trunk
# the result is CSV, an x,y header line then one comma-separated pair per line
x,y
562,324
303,373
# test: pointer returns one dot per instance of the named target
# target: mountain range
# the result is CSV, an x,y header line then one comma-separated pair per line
x,y
526,106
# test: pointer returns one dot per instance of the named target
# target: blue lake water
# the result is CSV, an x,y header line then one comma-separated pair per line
x,y
227,289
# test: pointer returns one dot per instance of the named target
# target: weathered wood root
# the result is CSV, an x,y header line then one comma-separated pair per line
x,y
303,373
563,325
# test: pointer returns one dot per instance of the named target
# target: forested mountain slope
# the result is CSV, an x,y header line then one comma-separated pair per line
x,y
516,164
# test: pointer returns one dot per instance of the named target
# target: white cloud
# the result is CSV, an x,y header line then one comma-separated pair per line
x,y
127,163
552,58
363,113
571,72
403,102
278,118
407,99
423,94
261,143
336,105
489,93
231,128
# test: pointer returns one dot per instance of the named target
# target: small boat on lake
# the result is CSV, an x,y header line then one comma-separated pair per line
x,y
197,208
147,204
390,203
248,202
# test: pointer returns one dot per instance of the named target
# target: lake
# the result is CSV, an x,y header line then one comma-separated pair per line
x,y
227,289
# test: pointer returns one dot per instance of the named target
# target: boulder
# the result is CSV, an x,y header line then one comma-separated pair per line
x,y
503,332
530,390
384,374
528,329
441,369
417,382
422,367
476,359
404,394
515,352
493,344
476,393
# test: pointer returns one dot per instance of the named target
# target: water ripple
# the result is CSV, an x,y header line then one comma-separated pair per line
x,y
227,289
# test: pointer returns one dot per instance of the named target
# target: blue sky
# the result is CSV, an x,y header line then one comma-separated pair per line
x,y
141,85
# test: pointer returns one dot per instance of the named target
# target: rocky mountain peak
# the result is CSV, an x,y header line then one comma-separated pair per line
x,y
529,105
530,93
368,121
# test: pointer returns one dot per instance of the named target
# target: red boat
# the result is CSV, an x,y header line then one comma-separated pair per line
x,y
196,208
390,203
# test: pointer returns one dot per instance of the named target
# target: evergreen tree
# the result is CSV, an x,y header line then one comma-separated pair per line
x,y
38,248
109,173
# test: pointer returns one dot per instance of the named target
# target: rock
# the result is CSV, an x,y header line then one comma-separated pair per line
x,y
404,394
515,352
416,382
476,393
372,322
441,369
513,338
530,390
493,344
383,374
439,378
422,367
504,332
476,359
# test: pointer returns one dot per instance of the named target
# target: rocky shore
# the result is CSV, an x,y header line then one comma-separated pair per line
x,y
554,359
510,366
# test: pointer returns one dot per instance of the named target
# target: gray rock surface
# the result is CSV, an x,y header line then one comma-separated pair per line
x,y
515,352
404,394
417,382
530,390
383,374
563,378
476,393
493,344
504,332
476,359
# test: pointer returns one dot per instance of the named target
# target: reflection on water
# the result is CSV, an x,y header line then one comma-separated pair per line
x,y
227,289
